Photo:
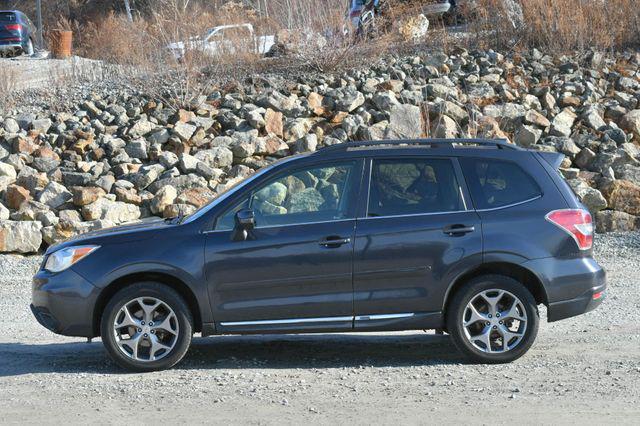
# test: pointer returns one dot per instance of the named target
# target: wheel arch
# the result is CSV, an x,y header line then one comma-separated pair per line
x,y
169,280
518,272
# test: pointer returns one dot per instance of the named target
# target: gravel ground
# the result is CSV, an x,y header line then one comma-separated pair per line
x,y
581,370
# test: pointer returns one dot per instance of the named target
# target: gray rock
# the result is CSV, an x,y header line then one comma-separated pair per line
x,y
160,136
184,130
405,122
137,149
527,136
41,126
563,122
11,125
385,100
55,195
163,198
20,237
4,212
217,157
308,143
8,171
592,118
113,211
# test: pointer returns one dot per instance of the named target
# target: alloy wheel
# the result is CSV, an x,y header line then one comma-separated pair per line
x,y
146,329
494,321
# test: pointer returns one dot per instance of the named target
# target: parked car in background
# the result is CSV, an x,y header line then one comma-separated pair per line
x,y
466,236
224,40
17,33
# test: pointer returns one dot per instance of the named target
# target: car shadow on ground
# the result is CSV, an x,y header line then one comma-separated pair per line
x,y
245,352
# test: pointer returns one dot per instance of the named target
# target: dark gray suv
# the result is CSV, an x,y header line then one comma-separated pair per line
x,y
464,236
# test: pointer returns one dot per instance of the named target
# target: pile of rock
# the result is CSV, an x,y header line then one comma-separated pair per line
x,y
120,158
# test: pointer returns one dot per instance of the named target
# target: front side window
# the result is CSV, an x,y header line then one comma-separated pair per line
x,y
314,194
498,183
413,186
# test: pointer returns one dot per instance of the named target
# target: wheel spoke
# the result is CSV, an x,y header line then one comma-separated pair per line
x,y
492,302
156,345
132,343
128,320
148,309
507,336
512,312
166,324
475,316
484,338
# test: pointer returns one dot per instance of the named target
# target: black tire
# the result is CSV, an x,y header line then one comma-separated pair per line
x,y
164,294
456,310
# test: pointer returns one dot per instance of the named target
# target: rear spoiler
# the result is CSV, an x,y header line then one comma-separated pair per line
x,y
553,158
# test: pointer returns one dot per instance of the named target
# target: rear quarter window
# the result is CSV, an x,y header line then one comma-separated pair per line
x,y
7,17
498,183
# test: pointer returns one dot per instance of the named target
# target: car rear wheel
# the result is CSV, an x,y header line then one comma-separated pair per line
x,y
493,319
147,327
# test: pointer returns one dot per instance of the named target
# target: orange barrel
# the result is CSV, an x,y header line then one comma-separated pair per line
x,y
61,43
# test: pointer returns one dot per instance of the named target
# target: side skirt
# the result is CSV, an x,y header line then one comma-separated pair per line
x,y
360,323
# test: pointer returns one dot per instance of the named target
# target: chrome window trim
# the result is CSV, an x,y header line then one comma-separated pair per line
x,y
283,226
287,321
384,316
415,214
510,205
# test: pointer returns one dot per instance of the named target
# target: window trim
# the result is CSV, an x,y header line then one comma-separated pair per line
x,y
457,170
357,177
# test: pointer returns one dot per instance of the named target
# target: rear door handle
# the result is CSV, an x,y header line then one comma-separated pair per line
x,y
458,229
334,241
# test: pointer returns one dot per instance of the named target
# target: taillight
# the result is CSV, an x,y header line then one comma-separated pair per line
x,y
577,223
13,27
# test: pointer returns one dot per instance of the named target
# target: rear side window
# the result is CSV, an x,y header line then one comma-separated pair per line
x,y
498,183
413,186
7,17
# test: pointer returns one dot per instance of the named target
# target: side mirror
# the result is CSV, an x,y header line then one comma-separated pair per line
x,y
245,222
245,219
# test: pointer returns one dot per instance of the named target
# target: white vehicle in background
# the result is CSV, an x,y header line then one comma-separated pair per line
x,y
224,40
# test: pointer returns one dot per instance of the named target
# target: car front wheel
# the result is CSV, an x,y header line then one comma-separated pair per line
x,y
147,327
493,319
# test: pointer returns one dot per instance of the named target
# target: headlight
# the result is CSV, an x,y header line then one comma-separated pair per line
x,y
62,259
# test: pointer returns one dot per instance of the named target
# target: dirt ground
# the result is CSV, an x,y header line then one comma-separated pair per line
x,y
584,370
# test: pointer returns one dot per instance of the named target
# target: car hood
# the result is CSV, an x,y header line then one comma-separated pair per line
x,y
115,235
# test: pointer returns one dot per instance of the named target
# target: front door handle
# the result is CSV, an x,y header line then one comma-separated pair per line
x,y
334,241
458,229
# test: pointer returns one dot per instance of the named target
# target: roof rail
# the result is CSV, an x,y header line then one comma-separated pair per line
x,y
433,143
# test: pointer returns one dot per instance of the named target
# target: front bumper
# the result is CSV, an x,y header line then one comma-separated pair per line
x,y
64,303
572,286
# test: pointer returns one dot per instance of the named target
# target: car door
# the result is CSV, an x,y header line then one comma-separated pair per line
x,y
418,233
294,270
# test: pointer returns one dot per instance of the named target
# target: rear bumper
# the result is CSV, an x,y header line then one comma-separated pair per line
x,y
572,286
590,300
64,302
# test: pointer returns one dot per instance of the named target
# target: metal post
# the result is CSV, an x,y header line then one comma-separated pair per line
x,y
127,6
40,29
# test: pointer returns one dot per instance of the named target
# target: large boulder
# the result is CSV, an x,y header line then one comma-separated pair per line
x,y
623,195
612,221
405,122
217,157
20,237
114,211
55,195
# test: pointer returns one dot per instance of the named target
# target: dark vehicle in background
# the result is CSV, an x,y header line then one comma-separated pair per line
x,y
465,236
17,33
